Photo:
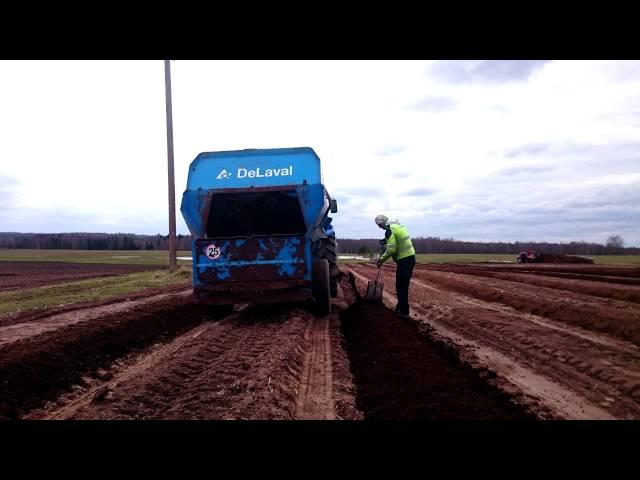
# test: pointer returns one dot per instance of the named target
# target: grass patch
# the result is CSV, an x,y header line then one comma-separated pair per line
x,y
129,257
633,260
89,290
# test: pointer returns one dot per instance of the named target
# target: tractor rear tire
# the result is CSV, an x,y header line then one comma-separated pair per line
x,y
326,249
320,286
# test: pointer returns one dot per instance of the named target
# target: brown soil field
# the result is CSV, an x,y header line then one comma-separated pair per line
x,y
570,346
483,342
15,275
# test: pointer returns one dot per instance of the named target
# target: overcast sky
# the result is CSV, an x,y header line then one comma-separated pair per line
x,y
477,150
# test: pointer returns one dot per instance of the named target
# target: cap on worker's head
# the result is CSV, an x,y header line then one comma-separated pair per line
x,y
381,220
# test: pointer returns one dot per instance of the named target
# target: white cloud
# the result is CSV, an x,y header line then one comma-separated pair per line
x,y
85,141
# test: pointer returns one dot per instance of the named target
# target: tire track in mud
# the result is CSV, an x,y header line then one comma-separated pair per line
x,y
567,361
247,366
122,371
315,400
274,361
265,362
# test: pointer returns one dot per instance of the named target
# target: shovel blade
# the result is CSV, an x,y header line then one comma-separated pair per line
x,y
374,291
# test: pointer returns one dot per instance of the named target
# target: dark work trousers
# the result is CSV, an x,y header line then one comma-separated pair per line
x,y
403,277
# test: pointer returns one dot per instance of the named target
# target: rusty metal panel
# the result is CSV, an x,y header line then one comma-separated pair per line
x,y
249,259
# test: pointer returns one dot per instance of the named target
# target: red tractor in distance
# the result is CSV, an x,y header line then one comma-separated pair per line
x,y
528,257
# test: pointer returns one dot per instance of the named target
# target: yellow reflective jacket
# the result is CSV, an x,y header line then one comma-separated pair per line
x,y
398,243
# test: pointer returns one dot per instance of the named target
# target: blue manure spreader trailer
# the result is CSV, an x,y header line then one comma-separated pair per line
x,y
260,226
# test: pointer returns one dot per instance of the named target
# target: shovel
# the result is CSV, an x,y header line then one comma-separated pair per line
x,y
374,289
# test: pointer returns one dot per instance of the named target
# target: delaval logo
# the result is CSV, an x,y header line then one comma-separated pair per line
x,y
223,174
257,173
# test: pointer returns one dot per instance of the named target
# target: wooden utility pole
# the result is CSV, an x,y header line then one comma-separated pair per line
x,y
172,188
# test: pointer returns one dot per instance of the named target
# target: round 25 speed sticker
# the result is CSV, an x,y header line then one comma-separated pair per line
x,y
212,251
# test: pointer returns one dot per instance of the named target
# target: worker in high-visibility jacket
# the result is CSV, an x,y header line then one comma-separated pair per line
x,y
399,247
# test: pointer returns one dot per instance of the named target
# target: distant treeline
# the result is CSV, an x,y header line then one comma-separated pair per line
x,y
364,246
92,241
